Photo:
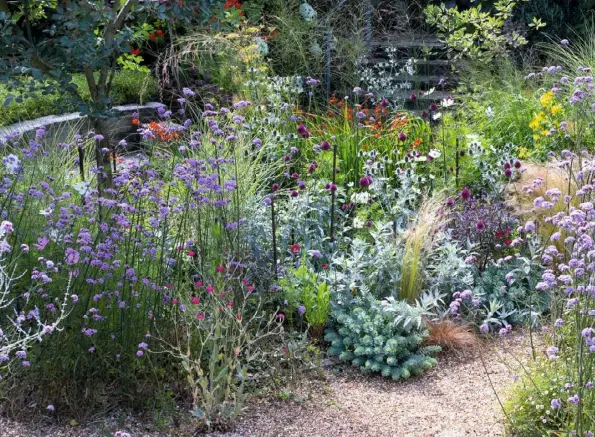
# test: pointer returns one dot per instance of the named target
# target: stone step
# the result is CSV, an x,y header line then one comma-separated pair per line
x,y
409,42
436,96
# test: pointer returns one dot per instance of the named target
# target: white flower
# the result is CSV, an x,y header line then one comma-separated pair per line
x,y
437,116
490,112
434,153
447,102
358,223
46,212
361,198
81,187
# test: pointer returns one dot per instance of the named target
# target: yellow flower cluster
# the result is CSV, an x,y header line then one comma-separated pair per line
x,y
546,119
547,99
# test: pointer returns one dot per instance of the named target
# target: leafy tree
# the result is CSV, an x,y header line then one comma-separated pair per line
x,y
478,33
42,42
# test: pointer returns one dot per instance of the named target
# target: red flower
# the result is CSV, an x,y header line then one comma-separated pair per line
x,y
159,32
239,317
507,242
152,37
135,52
295,248
169,286
324,266
232,4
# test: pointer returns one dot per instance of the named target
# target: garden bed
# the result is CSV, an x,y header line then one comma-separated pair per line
x,y
455,399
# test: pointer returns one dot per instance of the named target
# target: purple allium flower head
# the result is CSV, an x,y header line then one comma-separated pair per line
x,y
365,181
465,193
302,131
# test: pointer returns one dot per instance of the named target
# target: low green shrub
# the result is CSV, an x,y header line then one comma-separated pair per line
x,y
127,87
380,336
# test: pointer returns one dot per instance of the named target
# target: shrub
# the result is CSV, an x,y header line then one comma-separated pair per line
x,y
385,337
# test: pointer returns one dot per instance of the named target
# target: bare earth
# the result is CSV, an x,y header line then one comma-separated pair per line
x,y
454,400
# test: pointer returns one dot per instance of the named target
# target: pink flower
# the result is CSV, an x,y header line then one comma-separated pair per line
x,y
200,316
175,301
210,289
230,304
195,300
280,317
191,253
250,288
198,284
220,269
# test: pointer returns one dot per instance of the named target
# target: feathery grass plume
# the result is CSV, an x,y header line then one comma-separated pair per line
x,y
419,242
578,52
451,336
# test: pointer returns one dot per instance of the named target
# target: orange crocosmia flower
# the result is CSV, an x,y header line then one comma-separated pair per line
x,y
136,121
161,132
416,143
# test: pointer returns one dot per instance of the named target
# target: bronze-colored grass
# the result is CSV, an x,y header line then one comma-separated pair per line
x,y
451,336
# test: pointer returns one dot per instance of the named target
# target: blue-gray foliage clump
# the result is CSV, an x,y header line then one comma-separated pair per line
x,y
380,336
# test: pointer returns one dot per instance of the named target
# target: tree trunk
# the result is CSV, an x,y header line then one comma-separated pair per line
x,y
102,157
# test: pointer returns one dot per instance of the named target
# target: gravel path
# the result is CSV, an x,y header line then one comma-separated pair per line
x,y
453,400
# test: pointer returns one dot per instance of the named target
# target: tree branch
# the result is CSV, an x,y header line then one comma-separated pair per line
x,y
121,17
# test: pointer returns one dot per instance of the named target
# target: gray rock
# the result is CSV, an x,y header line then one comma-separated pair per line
x,y
63,127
